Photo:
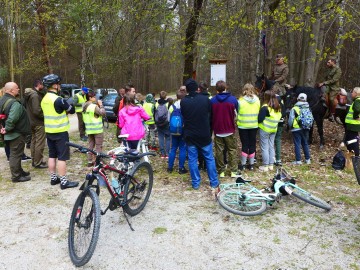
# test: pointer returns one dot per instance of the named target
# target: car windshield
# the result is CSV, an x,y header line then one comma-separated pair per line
x,y
110,98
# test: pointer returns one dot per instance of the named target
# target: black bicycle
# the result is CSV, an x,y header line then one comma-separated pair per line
x,y
130,190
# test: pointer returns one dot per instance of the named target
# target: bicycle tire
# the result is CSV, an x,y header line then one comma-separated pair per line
x,y
231,199
83,224
308,197
138,188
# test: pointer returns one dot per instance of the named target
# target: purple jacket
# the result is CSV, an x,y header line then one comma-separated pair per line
x,y
130,122
224,109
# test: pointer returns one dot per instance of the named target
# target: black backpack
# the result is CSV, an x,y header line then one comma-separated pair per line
x,y
338,161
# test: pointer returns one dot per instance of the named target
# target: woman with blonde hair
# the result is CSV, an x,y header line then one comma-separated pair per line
x,y
247,123
268,118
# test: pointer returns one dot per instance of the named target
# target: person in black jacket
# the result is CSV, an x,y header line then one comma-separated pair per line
x,y
196,112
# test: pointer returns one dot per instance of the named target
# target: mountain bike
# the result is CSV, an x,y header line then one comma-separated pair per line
x,y
129,190
241,198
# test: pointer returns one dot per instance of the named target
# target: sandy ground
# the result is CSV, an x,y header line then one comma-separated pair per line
x,y
179,229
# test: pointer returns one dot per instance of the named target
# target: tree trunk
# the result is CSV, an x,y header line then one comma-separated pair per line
x,y
190,38
42,27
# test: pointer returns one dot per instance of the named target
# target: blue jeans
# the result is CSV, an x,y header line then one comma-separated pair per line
x,y
177,142
207,152
300,140
164,141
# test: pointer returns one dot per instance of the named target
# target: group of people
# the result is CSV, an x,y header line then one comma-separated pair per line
x,y
207,123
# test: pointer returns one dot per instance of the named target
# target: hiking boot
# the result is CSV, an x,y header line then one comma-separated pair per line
x,y
169,170
331,118
241,167
251,167
214,192
21,179
69,184
23,173
264,168
235,174
55,182
183,171
222,175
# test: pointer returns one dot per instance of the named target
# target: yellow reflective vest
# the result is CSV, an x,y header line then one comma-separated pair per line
x,y
53,122
93,125
81,101
349,119
270,123
248,114
149,109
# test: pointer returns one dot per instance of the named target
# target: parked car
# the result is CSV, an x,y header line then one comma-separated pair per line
x,y
66,89
73,92
108,103
102,92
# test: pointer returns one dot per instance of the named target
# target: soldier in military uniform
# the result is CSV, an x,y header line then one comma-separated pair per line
x,y
331,86
279,74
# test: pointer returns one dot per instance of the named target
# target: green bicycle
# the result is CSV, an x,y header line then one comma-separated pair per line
x,y
241,198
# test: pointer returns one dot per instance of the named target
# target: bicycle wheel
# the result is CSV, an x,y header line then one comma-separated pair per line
x,y
238,200
138,188
84,227
308,197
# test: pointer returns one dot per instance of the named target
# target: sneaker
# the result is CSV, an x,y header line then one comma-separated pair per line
x,y
167,157
271,167
183,171
308,161
23,173
25,158
21,179
214,192
235,174
264,168
55,182
296,163
278,163
251,167
169,170
69,184
241,167
222,175
162,156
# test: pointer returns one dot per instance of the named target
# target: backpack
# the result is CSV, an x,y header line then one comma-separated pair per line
x,y
305,119
176,121
161,115
338,162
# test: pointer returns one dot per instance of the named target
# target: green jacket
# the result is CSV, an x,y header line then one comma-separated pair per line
x,y
17,122
332,79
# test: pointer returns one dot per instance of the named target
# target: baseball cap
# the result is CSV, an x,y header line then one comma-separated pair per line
x,y
302,97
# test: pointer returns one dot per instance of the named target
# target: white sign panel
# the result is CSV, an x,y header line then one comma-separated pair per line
x,y
218,72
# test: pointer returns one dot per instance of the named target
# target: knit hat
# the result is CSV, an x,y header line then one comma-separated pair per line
x,y
85,89
302,97
149,98
191,85
343,92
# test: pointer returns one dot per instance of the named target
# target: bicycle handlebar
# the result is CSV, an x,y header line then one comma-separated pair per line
x,y
120,157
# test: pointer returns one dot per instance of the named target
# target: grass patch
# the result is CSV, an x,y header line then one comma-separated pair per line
x,y
159,230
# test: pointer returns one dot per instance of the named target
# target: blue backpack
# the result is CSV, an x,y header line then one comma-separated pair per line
x,y
176,122
306,118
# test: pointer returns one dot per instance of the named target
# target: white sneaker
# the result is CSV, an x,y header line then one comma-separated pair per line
x,y
264,168
296,163
308,161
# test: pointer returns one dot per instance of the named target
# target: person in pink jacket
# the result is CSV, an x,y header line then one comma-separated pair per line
x,y
131,121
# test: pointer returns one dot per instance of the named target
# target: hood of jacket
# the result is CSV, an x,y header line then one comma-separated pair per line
x,y
251,99
132,110
221,97
303,104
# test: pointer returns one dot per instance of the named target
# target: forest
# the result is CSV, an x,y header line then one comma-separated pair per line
x,y
156,44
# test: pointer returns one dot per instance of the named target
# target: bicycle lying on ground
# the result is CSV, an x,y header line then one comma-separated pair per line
x,y
242,198
130,190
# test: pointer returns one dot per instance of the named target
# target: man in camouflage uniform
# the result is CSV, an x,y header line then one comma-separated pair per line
x,y
331,85
279,74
